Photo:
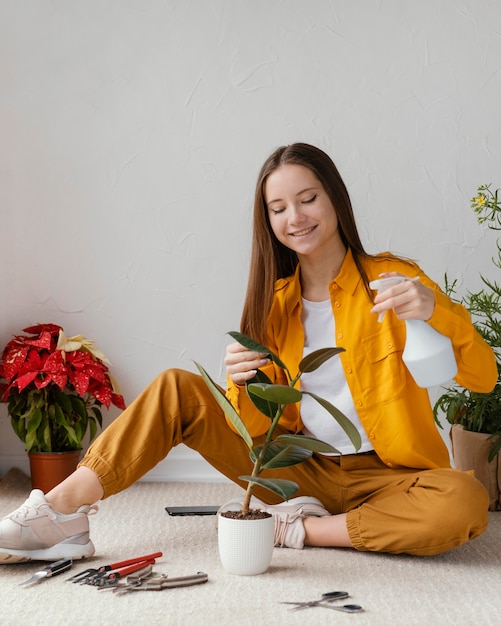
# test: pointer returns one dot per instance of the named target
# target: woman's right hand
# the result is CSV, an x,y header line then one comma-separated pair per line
x,y
242,364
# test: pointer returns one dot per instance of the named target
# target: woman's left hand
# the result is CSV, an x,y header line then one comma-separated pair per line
x,y
410,299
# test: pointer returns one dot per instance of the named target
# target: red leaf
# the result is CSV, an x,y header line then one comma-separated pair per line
x,y
55,371
80,381
53,329
118,400
44,341
13,359
102,394
59,379
24,380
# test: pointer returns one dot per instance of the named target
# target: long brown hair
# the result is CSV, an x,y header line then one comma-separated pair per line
x,y
271,260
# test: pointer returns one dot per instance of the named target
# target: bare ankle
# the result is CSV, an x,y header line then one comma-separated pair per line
x,y
327,531
81,487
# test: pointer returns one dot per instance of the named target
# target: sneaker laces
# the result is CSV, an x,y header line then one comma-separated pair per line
x,y
25,511
92,509
281,526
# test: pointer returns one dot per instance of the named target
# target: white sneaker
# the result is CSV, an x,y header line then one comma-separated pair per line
x,y
289,516
36,532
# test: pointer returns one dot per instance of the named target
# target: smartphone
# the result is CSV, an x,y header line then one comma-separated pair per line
x,y
192,510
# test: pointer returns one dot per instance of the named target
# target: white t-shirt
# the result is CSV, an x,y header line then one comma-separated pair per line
x,y
328,382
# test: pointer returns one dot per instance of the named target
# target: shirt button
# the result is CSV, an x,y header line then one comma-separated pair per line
x,y
390,345
372,436
359,403
349,370
334,286
337,305
340,335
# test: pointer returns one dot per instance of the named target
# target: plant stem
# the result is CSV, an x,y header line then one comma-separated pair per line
x,y
259,461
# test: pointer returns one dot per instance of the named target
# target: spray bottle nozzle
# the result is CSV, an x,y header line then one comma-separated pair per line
x,y
382,284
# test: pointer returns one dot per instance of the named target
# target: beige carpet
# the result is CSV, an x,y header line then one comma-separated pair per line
x,y
461,588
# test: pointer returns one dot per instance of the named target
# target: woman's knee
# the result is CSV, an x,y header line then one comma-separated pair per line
x,y
182,385
463,501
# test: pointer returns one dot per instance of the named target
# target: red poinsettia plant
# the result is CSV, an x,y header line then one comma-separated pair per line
x,y
54,386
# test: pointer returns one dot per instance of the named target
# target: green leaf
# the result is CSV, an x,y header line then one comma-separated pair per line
x,y
278,455
18,426
341,419
59,416
265,406
98,415
284,488
78,406
315,359
34,420
30,441
46,439
308,443
226,406
250,344
32,427
80,428
281,394
64,401
92,429
72,436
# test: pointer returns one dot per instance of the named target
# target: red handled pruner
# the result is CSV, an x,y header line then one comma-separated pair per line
x,y
96,576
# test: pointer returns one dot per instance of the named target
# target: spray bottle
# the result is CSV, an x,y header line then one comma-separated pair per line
x,y
428,354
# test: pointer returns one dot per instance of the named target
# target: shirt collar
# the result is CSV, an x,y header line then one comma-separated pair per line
x,y
347,280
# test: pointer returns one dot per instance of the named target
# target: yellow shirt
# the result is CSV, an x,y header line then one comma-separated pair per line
x,y
395,413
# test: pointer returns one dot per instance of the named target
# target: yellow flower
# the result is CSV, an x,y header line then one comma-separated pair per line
x,y
480,200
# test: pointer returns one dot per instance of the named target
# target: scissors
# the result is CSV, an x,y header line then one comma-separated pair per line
x,y
330,596
325,601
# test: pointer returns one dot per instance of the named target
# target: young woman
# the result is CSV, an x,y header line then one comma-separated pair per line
x,y
308,288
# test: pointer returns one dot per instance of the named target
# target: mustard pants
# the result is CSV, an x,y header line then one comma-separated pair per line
x,y
401,510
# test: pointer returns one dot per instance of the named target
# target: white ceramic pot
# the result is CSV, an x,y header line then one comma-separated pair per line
x,y
245,546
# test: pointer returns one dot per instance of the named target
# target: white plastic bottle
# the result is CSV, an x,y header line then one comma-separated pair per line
x,y
428,354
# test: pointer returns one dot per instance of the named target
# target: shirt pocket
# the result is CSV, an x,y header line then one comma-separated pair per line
x,y
383,350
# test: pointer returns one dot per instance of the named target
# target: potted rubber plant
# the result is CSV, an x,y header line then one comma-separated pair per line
x,y
476,417
283,450
54,387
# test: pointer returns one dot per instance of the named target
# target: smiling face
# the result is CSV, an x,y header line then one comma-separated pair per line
x,y
301,213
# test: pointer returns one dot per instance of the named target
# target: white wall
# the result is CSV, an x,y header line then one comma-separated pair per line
x,y
132,132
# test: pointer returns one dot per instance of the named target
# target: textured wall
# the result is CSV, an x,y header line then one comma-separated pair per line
x,y
132,132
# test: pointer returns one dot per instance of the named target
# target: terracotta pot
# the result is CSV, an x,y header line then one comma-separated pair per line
x,y
245,546
470,452
48,469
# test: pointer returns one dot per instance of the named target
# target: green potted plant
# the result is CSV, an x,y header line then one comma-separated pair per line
x,y
279,451
476,417
54,387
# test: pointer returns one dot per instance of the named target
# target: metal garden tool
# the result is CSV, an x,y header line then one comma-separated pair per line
x,y
91,574
132,580
161,582
50,570
112,577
